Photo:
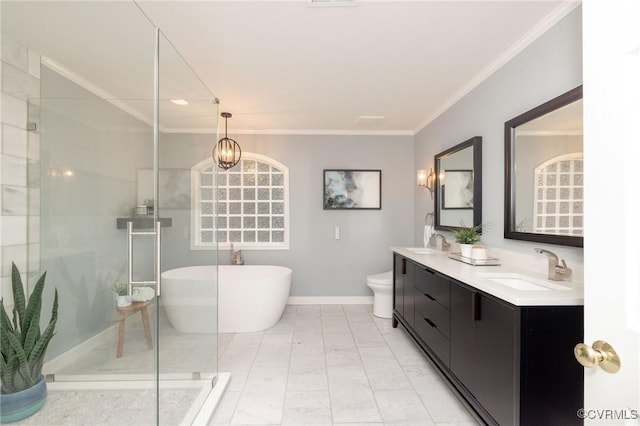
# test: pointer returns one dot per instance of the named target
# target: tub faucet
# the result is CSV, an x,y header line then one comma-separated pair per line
x,y
557,271
236,256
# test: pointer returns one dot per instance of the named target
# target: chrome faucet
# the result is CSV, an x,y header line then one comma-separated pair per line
x,y
439,241
236,256
557,271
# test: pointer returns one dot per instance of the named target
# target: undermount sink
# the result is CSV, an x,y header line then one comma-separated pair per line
x,y
422,250
523,282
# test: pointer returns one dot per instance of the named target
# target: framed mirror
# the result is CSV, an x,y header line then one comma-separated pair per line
x,y
544,179
458,193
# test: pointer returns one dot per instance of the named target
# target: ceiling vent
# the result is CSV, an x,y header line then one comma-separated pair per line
x,y
369,121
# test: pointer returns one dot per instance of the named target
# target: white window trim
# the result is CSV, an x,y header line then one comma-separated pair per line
x,y
195,203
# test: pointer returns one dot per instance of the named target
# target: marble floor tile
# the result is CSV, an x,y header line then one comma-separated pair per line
x,y
353,404
237,380
347,377
331,309
307,379
307,408
402,407
387,376
245,340
224,339
342,357
310,340
359,424
366,334
334,324
262,399
320,365
339,340
281,328
274,351
356,313
232,359
441,403
405,349
225,409
308,325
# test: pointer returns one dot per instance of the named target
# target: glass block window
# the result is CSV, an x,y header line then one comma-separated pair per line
x,y
248,205
559,196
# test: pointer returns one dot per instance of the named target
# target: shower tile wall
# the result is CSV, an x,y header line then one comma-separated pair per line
x,y
20,197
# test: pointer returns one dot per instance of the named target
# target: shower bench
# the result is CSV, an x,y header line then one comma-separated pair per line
x,y
134,307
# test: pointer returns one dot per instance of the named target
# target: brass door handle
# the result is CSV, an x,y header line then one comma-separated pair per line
x,y
600,353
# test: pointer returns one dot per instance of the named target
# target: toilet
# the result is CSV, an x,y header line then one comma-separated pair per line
x,y
382,287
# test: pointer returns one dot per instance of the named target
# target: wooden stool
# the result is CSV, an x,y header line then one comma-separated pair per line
x,y
134,307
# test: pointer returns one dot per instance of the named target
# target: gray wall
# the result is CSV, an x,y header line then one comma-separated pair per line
x,y
548,67
322,266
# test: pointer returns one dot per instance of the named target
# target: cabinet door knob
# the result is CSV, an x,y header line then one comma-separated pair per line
x,y
600,353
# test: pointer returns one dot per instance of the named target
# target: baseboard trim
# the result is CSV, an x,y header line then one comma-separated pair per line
x,y
330,300
110,334
66,358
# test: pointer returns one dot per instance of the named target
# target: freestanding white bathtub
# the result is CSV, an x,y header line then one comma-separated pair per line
x,y
250,297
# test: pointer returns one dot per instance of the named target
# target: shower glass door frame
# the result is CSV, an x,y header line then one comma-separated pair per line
x,y
96,141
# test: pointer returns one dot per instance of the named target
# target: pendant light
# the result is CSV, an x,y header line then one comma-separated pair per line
x,y
227,152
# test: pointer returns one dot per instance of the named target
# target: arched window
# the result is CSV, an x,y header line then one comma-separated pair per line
x,y
248,205
559,198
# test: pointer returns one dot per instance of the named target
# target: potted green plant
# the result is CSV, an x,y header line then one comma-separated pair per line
x,y
467,237
23,346
123,298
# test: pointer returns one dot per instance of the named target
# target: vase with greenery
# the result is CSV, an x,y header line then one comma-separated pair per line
x,y
123,298
23,349
467,237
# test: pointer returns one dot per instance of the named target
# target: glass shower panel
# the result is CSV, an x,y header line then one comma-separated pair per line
x,y
109,158
90,131
93,140
188,117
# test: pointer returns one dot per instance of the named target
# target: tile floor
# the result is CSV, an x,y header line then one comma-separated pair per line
x,y
332,365
179,353
122,407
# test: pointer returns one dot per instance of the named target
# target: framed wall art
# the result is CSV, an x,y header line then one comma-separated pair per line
x,y
352,189
457,190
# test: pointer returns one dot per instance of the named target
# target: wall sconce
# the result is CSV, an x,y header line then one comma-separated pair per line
x,y
426,180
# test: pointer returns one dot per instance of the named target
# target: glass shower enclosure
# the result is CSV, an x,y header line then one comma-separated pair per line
x,y
107,202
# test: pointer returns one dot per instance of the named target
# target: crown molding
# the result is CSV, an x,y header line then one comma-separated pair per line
x,y
93,88
543,26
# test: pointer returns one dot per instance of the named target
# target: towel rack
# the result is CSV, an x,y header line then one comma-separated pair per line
x,y
130,235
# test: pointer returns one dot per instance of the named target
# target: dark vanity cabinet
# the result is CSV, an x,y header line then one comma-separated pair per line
x,y
513,365
432,315
484,350
403,292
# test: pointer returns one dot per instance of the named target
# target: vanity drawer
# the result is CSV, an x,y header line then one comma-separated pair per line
x,y
433,313
433,285
434,339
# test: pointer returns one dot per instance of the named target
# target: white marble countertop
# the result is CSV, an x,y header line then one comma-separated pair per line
x,y
478,277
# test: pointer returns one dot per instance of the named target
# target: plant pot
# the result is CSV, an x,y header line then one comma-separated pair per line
x,y
465,250
20,405
123,301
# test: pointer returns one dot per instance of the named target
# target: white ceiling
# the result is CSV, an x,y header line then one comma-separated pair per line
x,y
377,67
